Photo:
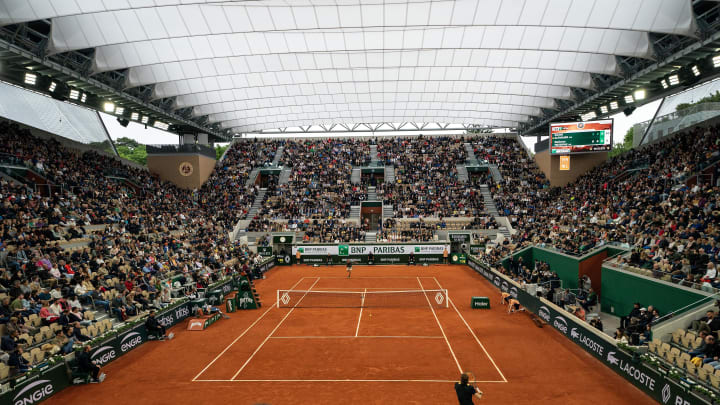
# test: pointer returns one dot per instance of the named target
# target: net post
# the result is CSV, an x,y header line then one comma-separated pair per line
x,y
447,299
277,299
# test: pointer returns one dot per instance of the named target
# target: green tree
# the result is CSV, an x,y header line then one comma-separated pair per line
x,y
130,149
625,146
219,150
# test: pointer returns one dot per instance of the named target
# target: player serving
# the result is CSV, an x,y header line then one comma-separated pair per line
x,y
465,390
348,268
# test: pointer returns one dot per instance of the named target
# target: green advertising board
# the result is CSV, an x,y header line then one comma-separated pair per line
x,y
383,253
37,387
458,258
461,237
480,303
651,380
476,249
265,251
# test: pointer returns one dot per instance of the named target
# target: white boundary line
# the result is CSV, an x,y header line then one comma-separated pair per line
x,y
273,331
362,305
353,337
241,335
441,328
348,380
474,335
385,277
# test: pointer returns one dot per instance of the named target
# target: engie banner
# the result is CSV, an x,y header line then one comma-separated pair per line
x,y
602,347
35,388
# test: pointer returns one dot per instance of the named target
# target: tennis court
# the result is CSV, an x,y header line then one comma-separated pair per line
x,y
381,354
357,329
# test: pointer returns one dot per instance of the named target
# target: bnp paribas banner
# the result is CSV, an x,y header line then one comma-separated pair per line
x,y
383,253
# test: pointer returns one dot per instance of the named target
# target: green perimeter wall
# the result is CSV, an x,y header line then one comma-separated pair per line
x,y
621,289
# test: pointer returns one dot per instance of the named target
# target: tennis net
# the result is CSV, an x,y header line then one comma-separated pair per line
x,y
361,299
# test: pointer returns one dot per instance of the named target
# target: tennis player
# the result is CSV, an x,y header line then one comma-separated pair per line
x,y
348,268
465,391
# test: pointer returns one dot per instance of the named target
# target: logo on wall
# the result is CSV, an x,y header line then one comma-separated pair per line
x,y
186,169
282,239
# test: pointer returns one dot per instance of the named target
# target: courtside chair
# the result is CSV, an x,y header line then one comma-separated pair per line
x,y
678,335
664,348
672,354
682,359
715,379
4,371
691,369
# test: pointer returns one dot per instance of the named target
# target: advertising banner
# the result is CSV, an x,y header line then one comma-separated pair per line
x,y
265,251
594,342
459,237
37,387
458,258
377,250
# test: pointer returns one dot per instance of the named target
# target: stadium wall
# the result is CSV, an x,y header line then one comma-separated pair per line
x,y
579,165
621,289
188,171
652,380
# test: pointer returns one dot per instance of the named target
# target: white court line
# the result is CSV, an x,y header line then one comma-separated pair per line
x,y
441,328
359,288
474,335
353,337
367,277
347,380
242,334
362,304
273,331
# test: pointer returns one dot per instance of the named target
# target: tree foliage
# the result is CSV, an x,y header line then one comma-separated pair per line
x,y
627,144
130,149
713,98
219,150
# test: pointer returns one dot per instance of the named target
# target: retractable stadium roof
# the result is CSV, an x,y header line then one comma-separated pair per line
x,y
257,65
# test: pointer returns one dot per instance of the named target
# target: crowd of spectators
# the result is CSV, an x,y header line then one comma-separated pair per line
x,y
94,240
426,178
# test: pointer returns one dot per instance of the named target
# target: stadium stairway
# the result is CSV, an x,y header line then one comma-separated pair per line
x,y
253,176
257,204
389,174
372,194
284,175
373,155
371,237
462,173
278,155
387,211
356,175
497,177
490,206
471,158
355,212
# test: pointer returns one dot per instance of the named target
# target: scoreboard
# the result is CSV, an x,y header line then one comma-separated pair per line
x,y
581,137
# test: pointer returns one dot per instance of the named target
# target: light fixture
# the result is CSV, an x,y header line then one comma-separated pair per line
x,y
588,116
83,98
695,70
664,83
161,125
109,107
52,87
145,119
629,99
74,94
119,110
639,94
603,109
716,61
674,80
30,78
134,116
614,105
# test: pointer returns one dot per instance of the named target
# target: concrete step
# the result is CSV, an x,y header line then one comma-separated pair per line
x,y
356,175
471,158
284,175
463,175
387,211
372,194
371,237
389,174
490,206
495,172
278,155
354,211
373,155
253,176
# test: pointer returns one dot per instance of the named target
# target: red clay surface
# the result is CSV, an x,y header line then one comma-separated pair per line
x,y
400,355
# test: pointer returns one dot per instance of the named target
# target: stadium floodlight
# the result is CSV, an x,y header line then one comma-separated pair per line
x,y
639,94
30,78
161,125
52,87
83,98
629,99
74,94
614,105
664,83
716,61
145,119
109,107
588,116
695,70
603,109
134,116
674,80
119,110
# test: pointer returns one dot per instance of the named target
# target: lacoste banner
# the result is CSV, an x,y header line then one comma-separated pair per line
x,y
37,388
602,347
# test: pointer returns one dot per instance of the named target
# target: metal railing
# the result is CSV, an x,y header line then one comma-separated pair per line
x,y
204,150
